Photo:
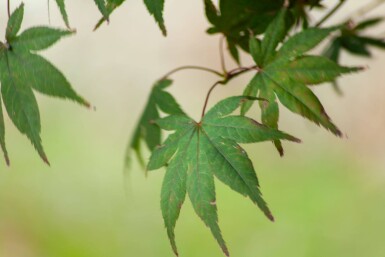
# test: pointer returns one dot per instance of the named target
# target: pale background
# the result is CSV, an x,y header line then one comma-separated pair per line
x,y
328,194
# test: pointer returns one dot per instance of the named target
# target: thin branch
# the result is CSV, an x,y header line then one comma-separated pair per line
x,y
220,82
191,67
366,9
9,8
230,75
221,54
330,14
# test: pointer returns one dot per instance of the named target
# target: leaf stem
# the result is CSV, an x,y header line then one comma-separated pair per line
x,y
9,8
220,82
192,67
221,54
229,76
330,13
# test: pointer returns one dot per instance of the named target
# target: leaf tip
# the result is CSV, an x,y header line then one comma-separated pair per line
x,y
7,161
72,30
297,140
175,251
45,160
339,133
226,251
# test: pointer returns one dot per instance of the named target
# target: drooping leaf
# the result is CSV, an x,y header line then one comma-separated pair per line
x,y
63,12
199,151
155,7
146,130
284,73
22,71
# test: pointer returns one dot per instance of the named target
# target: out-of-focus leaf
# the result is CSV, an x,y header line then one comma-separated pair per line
x,y
22,70
146,129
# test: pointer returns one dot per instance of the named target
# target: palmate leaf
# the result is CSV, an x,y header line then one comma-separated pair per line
x,y
199,151
286,72
146,130
22,71
351,40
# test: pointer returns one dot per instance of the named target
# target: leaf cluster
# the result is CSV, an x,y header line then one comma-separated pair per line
x,y
236,20
199,151
195,153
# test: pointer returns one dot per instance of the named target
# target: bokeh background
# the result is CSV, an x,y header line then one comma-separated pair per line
x,y
328,194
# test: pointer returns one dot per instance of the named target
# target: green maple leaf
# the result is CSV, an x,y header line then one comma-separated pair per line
x,y
146,130
198,151
352,41
286,72
63,12
22,71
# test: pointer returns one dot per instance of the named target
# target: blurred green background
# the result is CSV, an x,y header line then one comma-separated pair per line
x,y
327,194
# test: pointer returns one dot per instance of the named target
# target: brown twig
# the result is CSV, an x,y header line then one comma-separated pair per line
x,y
229,76
9,8
330,14
191,67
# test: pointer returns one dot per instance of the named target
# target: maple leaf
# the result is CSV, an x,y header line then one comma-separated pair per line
x,y
146,130
198,151
285,74
22,71
352,41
